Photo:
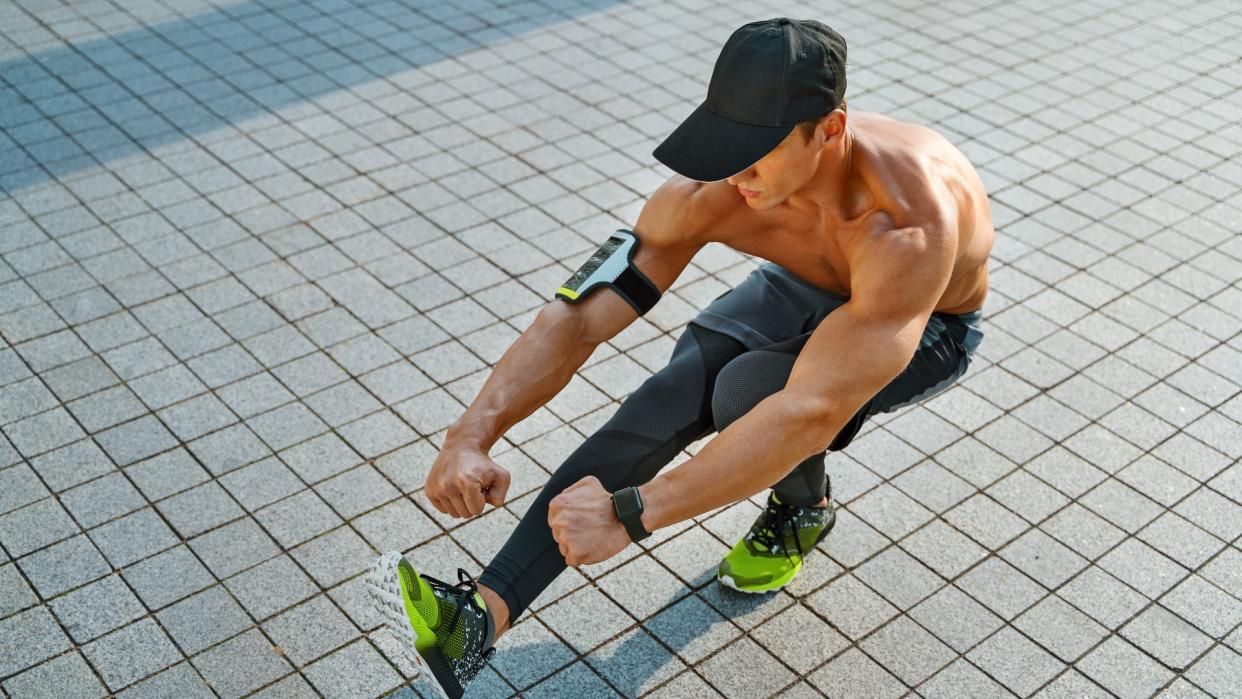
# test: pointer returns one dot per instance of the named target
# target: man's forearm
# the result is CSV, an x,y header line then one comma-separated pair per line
x,y
529,374
754,452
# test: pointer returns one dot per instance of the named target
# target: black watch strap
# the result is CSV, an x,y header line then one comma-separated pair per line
x,y
628,506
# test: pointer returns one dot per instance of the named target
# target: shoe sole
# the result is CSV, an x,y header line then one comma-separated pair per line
x,y
727,580
385,588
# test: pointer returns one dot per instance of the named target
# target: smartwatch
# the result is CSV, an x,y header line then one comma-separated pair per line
x,y
628,505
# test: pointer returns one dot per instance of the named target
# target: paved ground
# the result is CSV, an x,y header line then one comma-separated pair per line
x,y
251,270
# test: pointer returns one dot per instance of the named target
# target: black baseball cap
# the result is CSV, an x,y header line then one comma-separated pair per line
x,y
770,75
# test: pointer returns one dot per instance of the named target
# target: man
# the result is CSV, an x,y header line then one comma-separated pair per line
x,y
877,236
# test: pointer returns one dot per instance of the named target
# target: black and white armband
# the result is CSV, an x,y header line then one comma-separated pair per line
x,y
613,265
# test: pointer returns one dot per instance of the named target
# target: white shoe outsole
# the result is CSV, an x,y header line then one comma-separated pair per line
x,y
385,591
727,581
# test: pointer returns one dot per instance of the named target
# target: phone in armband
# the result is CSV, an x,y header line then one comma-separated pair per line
x,y
612,265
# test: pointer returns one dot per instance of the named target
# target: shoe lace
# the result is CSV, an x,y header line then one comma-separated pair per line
x,y
771,527
473,663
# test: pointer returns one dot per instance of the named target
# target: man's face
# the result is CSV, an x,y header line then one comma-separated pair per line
x,y
787,167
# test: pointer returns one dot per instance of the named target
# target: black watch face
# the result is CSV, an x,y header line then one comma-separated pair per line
x,y
627,502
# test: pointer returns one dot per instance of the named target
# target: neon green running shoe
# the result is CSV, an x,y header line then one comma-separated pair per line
x,y
771,553
446,630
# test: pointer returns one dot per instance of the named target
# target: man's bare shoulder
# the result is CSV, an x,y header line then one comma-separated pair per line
x,y
686,211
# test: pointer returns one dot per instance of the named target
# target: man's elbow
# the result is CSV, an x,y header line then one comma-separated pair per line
x,y
812,418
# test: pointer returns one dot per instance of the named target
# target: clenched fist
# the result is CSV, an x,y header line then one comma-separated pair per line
x,y
585,525
463,479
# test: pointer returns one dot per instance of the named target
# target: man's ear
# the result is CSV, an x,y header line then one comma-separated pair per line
x,y
831,126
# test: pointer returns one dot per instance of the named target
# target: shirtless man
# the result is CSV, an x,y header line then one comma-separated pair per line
x,y
877,235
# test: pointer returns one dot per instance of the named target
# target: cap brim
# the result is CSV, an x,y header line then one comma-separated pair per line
x,y
708,147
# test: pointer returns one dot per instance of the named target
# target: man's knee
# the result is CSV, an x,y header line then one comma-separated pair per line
x,y
747,380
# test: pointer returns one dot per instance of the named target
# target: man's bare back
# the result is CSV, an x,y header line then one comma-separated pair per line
x,y
904,174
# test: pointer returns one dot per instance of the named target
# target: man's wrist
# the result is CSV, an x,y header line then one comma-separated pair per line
x,y
459,437
652,495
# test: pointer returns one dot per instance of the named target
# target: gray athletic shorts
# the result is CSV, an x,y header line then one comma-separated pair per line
x,y
773,306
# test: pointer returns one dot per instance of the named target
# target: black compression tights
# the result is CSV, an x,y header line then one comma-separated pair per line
x,y
710,381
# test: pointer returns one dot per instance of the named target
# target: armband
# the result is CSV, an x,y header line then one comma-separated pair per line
x,y
613,265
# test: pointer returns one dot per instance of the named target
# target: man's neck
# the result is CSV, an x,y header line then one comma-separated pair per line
x,y
833,190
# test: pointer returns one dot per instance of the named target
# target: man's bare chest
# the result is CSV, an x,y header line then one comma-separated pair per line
x,y
811,252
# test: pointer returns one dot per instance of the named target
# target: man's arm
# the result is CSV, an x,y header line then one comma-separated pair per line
x,y
543,359
854,352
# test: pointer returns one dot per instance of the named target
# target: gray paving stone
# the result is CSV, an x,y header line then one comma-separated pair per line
x,y
1072,683
261,483
961,679
853,672
337,555
400,526
356,491
376,434
19,486
167,577
131,653
907,650
899,577
270,587
43,432
1041,557
943,549
1213,512
241,665
575,680
70,465
287,426
297,518
690,627
93,610
165,387
33,636
1204,605
295,687
1219,672
530,652
1123,669
1001,587
67,675
228,449
693,555
1169,639
136,440
133,536
35,526
1014,660
985,521
851,606
356,670
180,680
744,668
1143,568
1060,628
196,417
204,619
311,629
199,509
166,474
102,499
747,611
586,619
